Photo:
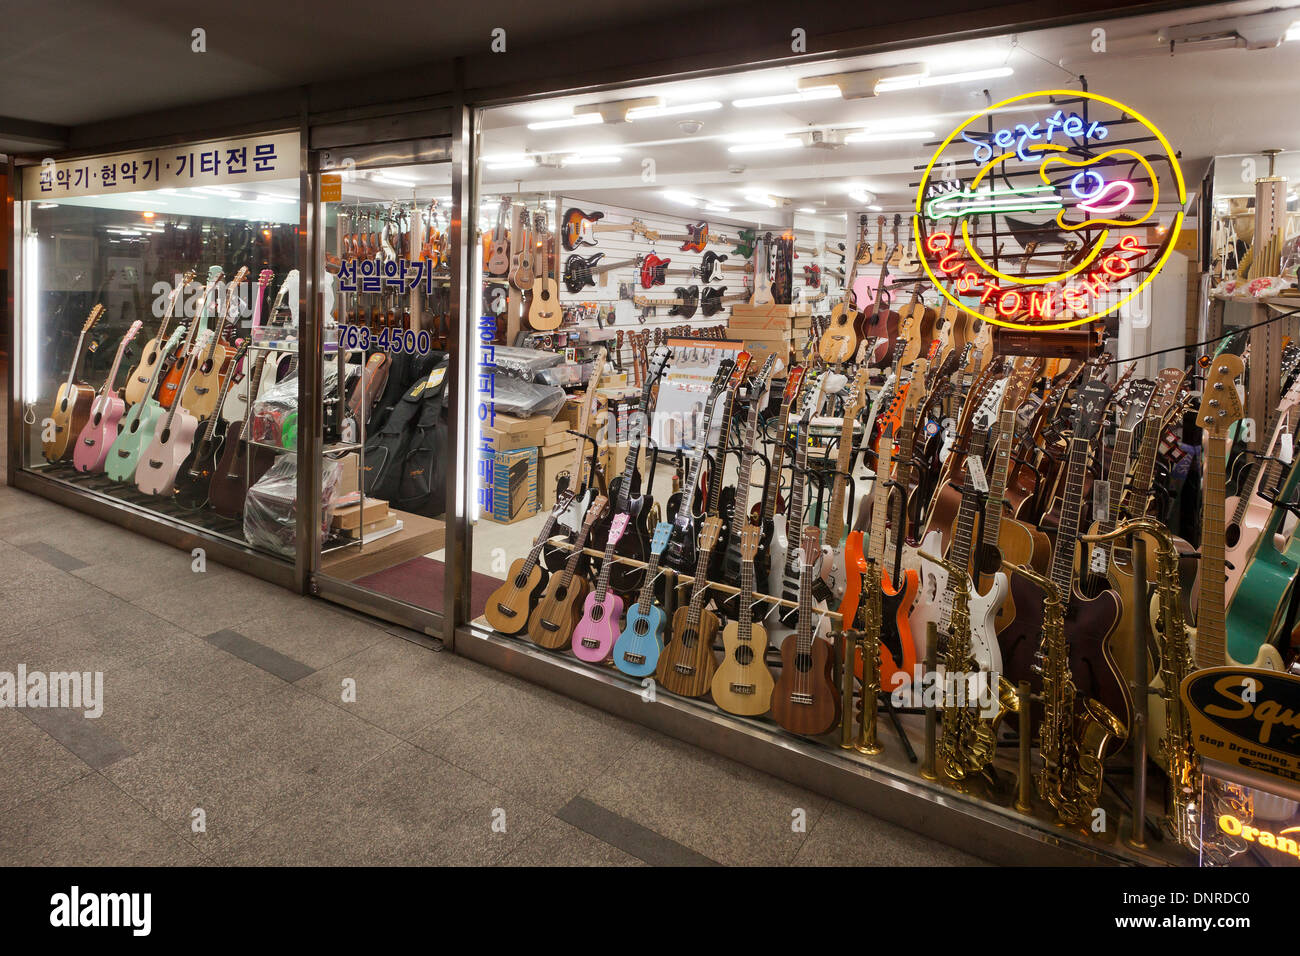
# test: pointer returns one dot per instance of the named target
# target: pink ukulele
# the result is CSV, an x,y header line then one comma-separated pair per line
x,y
594,637
106,411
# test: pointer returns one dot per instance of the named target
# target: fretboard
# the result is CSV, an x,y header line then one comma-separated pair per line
x,y
1067,533
699,589
1135,503
1211,633
778,460
998,481
740,508
1118,470
880,499
724,435
607,565
745,617
835,524
693,472
646,597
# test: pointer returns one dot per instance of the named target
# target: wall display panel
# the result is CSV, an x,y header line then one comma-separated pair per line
x,y
158,290
835,396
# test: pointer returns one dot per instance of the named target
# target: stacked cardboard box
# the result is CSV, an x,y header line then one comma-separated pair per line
x,y
770,329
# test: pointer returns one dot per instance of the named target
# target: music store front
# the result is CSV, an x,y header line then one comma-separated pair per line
x,y
887,422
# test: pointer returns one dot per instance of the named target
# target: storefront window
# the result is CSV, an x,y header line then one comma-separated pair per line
x,y
157,288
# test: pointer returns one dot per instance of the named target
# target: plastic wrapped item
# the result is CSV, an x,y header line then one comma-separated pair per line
x,y
275,415
523,399
271,512
524,363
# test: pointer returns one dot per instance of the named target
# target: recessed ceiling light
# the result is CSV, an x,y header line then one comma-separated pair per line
x,y
861,194
765,147
807,209
714,207
874,208
802,96
649,112
582,119
512,164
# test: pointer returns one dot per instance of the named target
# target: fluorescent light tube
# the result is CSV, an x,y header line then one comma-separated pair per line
x,y
650,112
801,96
765,147
582,119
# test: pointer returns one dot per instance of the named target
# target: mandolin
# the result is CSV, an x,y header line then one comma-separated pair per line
x,y
100,430
508,607
805,699
686,664
544,313
137,427
172,439
141,380
597,627
552,621
72,403
637,650
742,683
200,396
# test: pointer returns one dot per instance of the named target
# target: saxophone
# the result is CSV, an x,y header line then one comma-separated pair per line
x,y
1074,733
868,645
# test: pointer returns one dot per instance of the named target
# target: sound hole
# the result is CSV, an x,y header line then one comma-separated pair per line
x,y
1231,535
690,639
745,655
561,593
803,663
165,437
521,580
642,625
597,612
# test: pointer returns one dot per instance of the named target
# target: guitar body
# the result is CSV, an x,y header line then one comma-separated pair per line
x,y
574,231
596,632
98,434
681,554
137,382
552,622
982,608
235,407
204,388
136,432
235,473
686,663
742,684
508,607
194,480
171,381
897,647
1240,537
544,313
839,343
624,578
806,674
637,650
1259,606
70,414
161,462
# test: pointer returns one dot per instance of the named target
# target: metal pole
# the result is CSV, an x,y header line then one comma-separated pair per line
x,y
931,715
1138,732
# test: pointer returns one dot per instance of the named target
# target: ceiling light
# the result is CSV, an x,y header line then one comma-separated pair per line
x,y
874,208
513,164
864,83
1293,33
889,86
816,93
714,207
859,194
391,179
591,160
649,112
871,137
217,191
764,147
807,209
582,119
46,205
686,199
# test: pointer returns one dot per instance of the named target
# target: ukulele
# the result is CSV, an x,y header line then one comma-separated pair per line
x,y
597,628
508,607
552,621
171,382
544,312
200,395
880,251
686,665
637,650
805,699
161,462
153,353
72,403
896,250
743,684
498,263
106,411
521,268
236,403
137,428
242,463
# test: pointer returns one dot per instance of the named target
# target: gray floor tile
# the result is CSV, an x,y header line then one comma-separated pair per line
x,y
31,761
52,556
310,632
844,836
214,600
42,596
89,822
243,768
401,686
717,807
259,655
627,835
531,742
556,843
114,634
85,736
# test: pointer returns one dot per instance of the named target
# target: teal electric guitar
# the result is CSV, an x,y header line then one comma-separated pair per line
x,y
1260,601
137,427
636,652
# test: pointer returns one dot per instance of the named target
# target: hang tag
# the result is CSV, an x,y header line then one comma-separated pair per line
x,y
976,468
1100,501
1285,448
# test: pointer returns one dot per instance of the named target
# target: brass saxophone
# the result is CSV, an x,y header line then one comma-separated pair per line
x,y
1074,733
868,644
1173,747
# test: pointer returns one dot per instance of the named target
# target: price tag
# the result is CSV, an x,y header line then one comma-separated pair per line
x,y
1100,501
976,468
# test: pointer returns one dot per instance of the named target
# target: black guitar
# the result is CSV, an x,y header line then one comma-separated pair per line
x,y
194,478
688,298
580,273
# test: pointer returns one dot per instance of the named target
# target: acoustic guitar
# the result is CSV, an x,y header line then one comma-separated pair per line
x,y
71,403
194,480
236,402
839,342
170,389
137,427
508,607
161,462
498,263
200,397
100,430
686,664
544,313
743,684
141,380
552,621
805,699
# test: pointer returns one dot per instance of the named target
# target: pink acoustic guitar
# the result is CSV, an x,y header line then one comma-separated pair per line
x,y
594,637
162,459
106,411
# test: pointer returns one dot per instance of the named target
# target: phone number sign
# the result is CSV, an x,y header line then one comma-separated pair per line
x,y
1072,179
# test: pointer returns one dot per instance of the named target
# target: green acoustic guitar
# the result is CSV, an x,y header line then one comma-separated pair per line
x,y
1260,601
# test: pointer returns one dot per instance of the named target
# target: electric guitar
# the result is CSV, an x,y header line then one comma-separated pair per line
x,y
508,607
141,380
597,628
637,650
161,462
712,300
106,411
743,684
580,272
696,237
137,427
805,699
579,228
72,403
685,304
772,500
832,568
785,577
686,665
236,403
552,621
544,312
200,395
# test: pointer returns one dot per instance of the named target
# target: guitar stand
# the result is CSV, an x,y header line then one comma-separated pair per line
x,y
1150,825
595,450
885,699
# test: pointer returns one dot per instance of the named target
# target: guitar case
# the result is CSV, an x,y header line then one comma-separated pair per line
x,y
405,460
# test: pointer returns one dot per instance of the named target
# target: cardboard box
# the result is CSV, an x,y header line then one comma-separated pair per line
x,y
514,485
388,521
352,516
552,467
759,351
348,478
570,412
509,433
761,335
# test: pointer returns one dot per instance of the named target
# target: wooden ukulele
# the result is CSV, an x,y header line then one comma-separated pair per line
x,y
743,684
141,378
687,664
597,628
72,403
552,622
200,395
100,430
880,251
508,607
525,247
544,313
839,342
498,263
805,699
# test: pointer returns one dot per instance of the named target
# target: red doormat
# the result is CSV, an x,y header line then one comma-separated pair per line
x,y
420,582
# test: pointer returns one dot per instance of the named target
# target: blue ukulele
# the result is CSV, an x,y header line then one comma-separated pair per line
x,y
636,652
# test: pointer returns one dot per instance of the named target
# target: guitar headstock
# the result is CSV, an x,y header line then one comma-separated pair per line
x,y
1132,404
987,412
214,275
663,531
710,531
659,360
594,513
1091,402
1220,403
1168,394
721,377
132,332
242,350
758,383
751,539
264,279
793,380
562,502
205,339
177,334
811,546
617,526
739,372
91,319
639,228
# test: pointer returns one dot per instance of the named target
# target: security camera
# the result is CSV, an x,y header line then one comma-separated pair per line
x,y
690,126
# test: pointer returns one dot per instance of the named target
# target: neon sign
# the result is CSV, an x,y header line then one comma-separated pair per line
x,y
1099,203
1251,834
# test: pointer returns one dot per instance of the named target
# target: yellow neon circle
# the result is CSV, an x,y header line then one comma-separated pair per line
x,y
1175,229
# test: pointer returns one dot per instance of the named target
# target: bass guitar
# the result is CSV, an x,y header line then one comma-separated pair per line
x,y
161,462
95,439
637,650
71,404
685,304
743,684
579,228
580,272
552,621
597,628
508,607
805,699
686,665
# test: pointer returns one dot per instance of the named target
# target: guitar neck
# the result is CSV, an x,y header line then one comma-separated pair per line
x,y
715,484
741,505
964,528
646,598
835,525
1211,632
773,490
880,501
998,481
1067,534
1144,470
1118,469
745,616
